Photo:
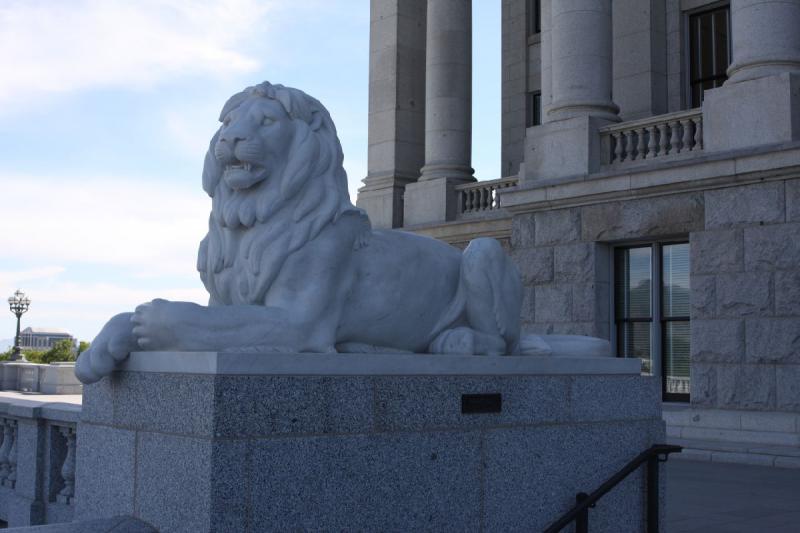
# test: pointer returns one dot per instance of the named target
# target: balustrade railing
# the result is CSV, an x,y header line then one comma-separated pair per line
x,y
482,196
8,453
67,494
653,137
52,427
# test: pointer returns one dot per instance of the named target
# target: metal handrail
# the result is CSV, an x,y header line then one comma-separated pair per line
x,y
580,512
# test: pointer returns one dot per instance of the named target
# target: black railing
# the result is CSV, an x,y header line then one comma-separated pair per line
x,y
580,513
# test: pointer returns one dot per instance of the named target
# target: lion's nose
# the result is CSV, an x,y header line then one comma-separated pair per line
x,y
230,139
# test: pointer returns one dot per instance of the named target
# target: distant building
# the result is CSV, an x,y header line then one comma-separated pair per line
x,y
43,338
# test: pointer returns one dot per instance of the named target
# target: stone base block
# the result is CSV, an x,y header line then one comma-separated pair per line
x,y
384,205
752,113
277,442
24,511
59,378
569,147
430,201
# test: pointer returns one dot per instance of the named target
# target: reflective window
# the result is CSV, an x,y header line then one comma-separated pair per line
x,y
709,51
651,300
533,109
533,19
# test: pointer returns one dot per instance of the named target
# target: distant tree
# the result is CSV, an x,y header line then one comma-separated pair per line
x,y
61,351
82,347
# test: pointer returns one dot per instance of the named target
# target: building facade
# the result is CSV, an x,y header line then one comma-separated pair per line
x,y
42,338
649,189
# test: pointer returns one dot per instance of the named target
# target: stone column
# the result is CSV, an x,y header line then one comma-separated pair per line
x,y
765,38
448,91
448,114
581,59
759,104
576,90
396,107
546,58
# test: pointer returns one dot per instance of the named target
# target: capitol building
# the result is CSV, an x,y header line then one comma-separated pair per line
x,y
649,190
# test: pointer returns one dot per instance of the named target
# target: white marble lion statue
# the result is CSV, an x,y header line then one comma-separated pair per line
x,y
292,266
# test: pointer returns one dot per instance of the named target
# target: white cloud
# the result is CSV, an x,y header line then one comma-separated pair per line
x,y
63,46
15,277
82,308
139,225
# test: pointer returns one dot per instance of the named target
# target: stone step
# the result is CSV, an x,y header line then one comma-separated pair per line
x,y
753,437
719,451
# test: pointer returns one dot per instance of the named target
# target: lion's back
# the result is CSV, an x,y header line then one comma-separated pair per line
x,y
404,284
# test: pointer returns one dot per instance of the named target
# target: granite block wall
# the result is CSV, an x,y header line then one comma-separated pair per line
x,y
745,281
368,453
564,256
746,299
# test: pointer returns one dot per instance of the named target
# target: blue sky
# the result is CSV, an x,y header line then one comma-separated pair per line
x,y
106,109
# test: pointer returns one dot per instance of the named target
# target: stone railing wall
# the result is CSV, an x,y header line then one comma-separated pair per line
x,y
54,378
653,137
481,196
37,459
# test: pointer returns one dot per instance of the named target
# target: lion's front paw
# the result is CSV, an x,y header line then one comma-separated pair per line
x,y
154,325
111,346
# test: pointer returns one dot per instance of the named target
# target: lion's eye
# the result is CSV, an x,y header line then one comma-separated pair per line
x,y
266,121
226,121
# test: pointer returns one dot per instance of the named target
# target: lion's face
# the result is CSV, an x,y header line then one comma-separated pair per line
x,y
253,142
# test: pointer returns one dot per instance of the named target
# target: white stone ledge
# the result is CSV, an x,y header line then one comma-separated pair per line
x,y
657,177
304,364
56,407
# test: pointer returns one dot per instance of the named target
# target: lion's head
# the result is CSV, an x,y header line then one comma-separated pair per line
x,y
274,173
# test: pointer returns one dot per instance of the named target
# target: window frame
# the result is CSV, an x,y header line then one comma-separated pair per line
x,y
688,82
533,109
657,319
533,17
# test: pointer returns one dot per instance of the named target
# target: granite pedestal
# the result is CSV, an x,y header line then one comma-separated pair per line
x,y
248,442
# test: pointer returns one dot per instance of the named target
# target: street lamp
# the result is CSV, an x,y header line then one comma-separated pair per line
x,y
19,304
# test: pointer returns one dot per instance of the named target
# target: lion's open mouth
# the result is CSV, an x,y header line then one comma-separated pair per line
x,y
242,175
238,165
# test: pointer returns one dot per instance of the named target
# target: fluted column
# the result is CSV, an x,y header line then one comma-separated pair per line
x,y
448,91
765,38
580,47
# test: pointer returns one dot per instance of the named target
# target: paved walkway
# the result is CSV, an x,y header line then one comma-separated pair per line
x,y
707,497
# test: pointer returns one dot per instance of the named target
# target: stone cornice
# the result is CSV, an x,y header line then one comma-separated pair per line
x,y
706,171
497,226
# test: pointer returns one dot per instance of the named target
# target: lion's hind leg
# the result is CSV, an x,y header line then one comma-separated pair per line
x,y
491,292
467,341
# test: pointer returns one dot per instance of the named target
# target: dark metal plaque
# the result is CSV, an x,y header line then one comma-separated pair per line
x,y
481,403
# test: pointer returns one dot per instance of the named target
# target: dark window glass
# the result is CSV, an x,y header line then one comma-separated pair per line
x,y
533,12
675,320
633,314
675,356
709,51
651,312
533,109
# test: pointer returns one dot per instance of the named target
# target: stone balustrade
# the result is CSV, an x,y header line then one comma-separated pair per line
x,y
37,458
481,196
653,137
8,453
53,378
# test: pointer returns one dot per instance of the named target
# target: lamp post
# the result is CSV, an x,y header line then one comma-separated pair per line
x,y
19,304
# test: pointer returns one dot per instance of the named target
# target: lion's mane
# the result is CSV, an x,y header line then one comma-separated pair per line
x,y
252,232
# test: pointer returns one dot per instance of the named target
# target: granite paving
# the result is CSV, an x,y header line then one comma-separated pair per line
x,y
707,497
